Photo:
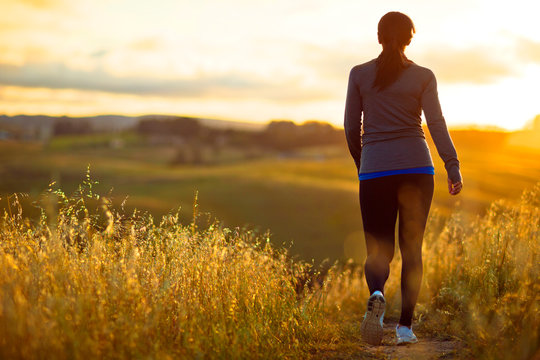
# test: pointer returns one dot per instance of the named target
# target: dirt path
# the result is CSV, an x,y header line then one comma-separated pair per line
x,y
426,348
349,345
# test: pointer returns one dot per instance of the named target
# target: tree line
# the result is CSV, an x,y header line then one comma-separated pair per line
x,y
278,135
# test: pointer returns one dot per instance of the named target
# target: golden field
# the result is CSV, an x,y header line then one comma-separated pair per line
x,y
85,275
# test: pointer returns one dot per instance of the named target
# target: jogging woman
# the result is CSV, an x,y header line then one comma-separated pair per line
x,y
385,99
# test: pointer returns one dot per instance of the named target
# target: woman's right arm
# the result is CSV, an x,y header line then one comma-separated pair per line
x,y
353,120
439,132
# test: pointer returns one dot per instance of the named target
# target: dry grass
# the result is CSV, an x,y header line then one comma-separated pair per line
x,y
88,282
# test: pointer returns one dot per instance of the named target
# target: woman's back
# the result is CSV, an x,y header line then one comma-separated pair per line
x,y
392,136
394,111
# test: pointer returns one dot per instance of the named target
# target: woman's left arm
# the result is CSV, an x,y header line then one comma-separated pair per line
x,y
439,132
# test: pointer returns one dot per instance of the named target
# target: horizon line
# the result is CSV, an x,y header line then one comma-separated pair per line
x,y
457,127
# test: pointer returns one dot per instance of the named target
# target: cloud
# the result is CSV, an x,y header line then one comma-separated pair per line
x,y
335,62
228,85
146,44
528,50
42,4
99,53
474,66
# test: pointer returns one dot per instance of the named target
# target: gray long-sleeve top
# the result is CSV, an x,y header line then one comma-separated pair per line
x,y
384,128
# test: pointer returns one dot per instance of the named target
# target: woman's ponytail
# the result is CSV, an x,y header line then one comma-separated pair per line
x,y
395,32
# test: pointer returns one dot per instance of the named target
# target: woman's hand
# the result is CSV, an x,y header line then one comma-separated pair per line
x,y
454,188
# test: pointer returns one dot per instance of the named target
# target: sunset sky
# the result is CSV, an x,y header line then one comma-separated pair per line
x,y
258,60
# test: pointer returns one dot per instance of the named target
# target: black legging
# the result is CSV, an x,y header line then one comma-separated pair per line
x,y
381,199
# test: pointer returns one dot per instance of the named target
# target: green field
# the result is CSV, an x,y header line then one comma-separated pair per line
x,y
307,200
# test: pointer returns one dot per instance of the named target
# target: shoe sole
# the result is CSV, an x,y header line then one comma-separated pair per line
x,y
406,342
371,329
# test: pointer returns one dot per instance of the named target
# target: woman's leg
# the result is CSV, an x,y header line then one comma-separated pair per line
x,y
379,206
415,193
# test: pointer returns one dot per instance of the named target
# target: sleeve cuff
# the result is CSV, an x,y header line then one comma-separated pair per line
x,y
454,174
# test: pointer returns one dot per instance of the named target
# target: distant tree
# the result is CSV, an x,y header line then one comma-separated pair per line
x,y
280,135
180,126
284,135
71,127
316,133
185,127
148,126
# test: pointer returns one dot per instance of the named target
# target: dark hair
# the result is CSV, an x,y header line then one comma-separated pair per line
x,y
395,32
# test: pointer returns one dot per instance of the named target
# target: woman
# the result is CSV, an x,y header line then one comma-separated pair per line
x,y
385,99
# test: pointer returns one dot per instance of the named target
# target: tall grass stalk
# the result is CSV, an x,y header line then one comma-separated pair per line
x,y
482,279
93,283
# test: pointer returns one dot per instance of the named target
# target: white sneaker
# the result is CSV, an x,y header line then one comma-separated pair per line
x,y
372,325
405,335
